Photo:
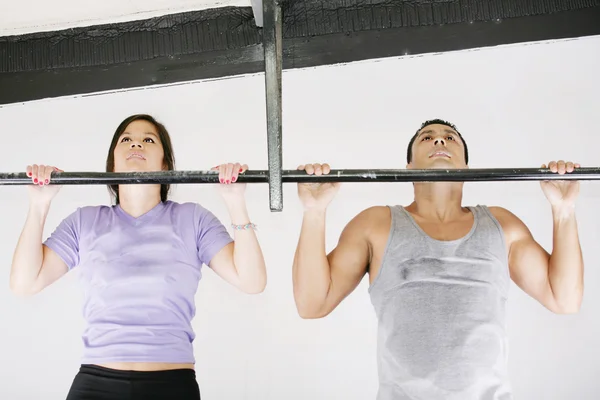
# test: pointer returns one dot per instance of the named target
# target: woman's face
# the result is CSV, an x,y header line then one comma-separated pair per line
x,y
139,149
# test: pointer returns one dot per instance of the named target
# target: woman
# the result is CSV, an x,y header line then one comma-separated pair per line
x,y
140,263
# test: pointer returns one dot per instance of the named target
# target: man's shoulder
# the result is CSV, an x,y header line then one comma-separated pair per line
x,y
374,213
511,225
372,219
501,213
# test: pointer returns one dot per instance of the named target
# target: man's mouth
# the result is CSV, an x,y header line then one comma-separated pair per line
x,y
440,153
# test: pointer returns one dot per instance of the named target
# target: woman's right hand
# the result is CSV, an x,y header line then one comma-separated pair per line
x,y
41,192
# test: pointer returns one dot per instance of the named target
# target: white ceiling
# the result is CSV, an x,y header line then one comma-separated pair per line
x,y
27,16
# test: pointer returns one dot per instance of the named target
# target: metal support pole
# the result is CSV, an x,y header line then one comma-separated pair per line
x,y
294,176
272,43
257,10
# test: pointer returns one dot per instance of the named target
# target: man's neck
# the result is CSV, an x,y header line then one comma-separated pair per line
x,y
441,201
138,199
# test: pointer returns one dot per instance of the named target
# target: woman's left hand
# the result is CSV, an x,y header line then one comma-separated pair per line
x,y
228,175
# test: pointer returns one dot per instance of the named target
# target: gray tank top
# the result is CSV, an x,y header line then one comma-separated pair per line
x,y
440,307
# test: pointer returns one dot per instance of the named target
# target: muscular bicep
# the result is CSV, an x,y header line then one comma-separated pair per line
x,y
528,261
53,267
348,262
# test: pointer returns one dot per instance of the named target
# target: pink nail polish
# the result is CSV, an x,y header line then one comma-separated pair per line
x,y
35,180
227,181
29,174
46,181
233,179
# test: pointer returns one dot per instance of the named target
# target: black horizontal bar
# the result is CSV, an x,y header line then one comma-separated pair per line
x,y
288,176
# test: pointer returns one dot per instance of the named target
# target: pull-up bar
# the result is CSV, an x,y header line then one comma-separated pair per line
x,y
275,176
291,176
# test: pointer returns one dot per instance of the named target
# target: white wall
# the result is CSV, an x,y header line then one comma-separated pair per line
x,y
517,106
20,17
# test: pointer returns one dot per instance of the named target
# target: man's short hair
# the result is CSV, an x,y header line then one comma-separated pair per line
x,y
434,122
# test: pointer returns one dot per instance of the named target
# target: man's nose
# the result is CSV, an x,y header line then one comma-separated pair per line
x,y
439,141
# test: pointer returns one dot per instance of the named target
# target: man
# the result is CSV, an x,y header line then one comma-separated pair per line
x,y
439,273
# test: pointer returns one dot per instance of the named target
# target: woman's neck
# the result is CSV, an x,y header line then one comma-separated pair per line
x,y
138,199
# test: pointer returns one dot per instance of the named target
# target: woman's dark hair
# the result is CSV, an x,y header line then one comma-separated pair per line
x,y
165,139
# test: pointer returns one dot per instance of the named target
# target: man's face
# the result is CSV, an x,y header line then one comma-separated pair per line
x,y
437,147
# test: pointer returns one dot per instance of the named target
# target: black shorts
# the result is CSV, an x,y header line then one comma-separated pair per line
x,y
99,383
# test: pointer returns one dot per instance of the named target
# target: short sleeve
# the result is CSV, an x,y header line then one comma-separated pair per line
x,y
212,235
64,241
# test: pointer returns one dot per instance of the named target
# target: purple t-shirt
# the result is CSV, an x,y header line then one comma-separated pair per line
x,y
139,276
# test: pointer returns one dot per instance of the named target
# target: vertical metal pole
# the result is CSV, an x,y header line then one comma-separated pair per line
x,y
257,10
272,43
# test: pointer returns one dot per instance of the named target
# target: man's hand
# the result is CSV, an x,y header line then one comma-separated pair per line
x,y
316,196
561,194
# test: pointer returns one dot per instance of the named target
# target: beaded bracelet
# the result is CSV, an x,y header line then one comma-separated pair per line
x,y
244,227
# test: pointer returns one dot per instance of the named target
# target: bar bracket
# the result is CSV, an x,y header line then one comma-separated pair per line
x,y
272,42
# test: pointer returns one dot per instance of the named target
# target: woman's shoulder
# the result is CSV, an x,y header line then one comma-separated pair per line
x,y
196,211
91,213
185,205
91,210
96,209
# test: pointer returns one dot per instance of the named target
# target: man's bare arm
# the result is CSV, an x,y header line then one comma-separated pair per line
x,y
555,280
322,281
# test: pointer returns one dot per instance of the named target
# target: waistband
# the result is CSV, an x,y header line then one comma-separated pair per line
x,y
96,370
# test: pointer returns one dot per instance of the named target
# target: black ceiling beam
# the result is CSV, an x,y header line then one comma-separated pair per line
x,y
226,41
393,42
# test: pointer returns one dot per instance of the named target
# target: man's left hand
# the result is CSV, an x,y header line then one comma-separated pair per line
x,y
561,193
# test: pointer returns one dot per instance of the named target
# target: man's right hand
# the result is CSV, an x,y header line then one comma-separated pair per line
x,y
316,196
41,192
